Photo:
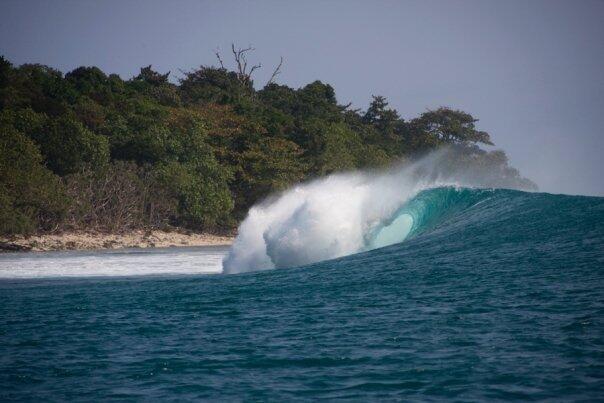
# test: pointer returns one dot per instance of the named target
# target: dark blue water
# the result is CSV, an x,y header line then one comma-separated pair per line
x,y
497,295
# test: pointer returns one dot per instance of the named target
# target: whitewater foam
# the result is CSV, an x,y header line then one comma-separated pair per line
x,y
122,262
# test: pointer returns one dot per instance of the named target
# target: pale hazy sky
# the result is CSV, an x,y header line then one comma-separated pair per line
x,y
531,71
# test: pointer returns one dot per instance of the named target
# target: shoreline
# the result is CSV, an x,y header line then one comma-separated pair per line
x,y
90,240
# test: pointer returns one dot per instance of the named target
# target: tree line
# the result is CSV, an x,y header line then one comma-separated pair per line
x,y
89,150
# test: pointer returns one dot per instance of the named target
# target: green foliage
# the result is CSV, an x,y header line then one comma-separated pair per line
x,y
448,126
151,77
68,146
90,150
385,120
266,167
31,196
204,200
332,147
156,86
90,81
25,121
208,84
6,69
40,88
91,114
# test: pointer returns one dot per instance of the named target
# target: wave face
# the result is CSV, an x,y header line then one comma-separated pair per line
x,y
354,212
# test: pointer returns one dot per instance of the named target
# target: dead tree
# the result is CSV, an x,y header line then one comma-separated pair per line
x,y
244,76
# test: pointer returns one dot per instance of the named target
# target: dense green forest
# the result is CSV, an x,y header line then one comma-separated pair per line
x,y
88,150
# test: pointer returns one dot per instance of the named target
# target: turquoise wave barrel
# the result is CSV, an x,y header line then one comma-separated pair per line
x,y
423,212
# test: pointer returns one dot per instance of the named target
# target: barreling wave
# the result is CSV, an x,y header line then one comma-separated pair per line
x,y
348,213
427,209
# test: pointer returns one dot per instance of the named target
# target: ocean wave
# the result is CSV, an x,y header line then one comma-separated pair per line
x,y
349,213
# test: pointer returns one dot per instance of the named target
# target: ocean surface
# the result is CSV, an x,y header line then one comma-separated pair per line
x,y
492,295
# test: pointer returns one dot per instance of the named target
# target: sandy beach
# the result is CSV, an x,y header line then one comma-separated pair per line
x,y
80,240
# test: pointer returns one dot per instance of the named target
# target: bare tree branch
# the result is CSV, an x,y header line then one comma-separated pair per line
x,y
257,66
217,53
276,72
244,63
